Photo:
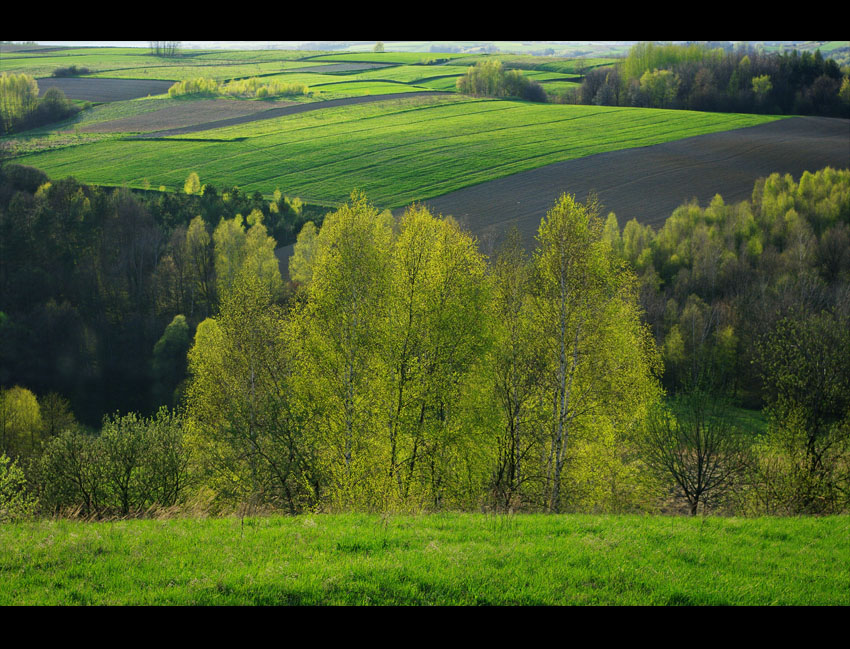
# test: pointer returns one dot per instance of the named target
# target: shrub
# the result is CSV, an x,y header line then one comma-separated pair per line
x,y
70,71
136,463
15,501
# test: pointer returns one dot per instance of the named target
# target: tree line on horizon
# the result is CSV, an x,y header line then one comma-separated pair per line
x,y
401,369
704,78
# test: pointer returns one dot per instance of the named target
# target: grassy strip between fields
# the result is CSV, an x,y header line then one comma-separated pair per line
x,y
443,559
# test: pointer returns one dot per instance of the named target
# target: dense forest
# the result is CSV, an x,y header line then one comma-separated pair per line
x,y
401,369
92,278
701,77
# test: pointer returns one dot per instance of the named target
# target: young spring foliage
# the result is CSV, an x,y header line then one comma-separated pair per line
x,y
408,373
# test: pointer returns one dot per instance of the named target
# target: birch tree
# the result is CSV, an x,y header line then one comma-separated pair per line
x,y
598,358
244,423
339,322
437,329
516,369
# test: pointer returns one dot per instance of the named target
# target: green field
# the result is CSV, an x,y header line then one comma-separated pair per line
x,y
111,61
560,86
410,73
340,89
397,151
409,58
442,559
138,63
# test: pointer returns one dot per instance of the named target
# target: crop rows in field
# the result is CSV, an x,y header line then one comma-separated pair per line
x,y
213,70
397,152
177,113
341,89
112,62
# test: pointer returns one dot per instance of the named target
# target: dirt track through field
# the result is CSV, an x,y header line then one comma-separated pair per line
x,y
648,183
289,110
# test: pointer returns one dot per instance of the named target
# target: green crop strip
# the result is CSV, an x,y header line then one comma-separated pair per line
x,y
397,152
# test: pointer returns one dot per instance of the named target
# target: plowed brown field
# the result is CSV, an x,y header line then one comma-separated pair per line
x,y
649,183
102,90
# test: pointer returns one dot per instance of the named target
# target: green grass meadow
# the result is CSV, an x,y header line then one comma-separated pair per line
x,y
440,559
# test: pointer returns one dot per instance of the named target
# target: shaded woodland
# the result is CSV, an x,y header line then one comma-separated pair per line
x,y
92,278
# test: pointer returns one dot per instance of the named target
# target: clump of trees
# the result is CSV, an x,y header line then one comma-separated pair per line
x,y
490,79
253,87
133,464
804,466
21,108
700,77
16,502
749,302
165,48
70,71
394,381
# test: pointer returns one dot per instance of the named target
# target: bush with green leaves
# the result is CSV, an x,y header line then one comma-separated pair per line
x,y
134,464
16,503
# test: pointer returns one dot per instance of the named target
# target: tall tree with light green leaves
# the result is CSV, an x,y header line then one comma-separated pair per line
x,y
301,261
435,335
20,422
345,302
516,368
599,360
243,422
251,250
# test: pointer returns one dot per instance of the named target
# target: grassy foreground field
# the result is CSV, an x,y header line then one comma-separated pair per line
x,y
443,559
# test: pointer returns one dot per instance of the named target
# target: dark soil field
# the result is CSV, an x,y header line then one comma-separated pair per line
x,y
649,183
291,109
184,114
102,90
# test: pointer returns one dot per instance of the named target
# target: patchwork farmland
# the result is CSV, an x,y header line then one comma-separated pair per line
x,y
383,123
393,126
